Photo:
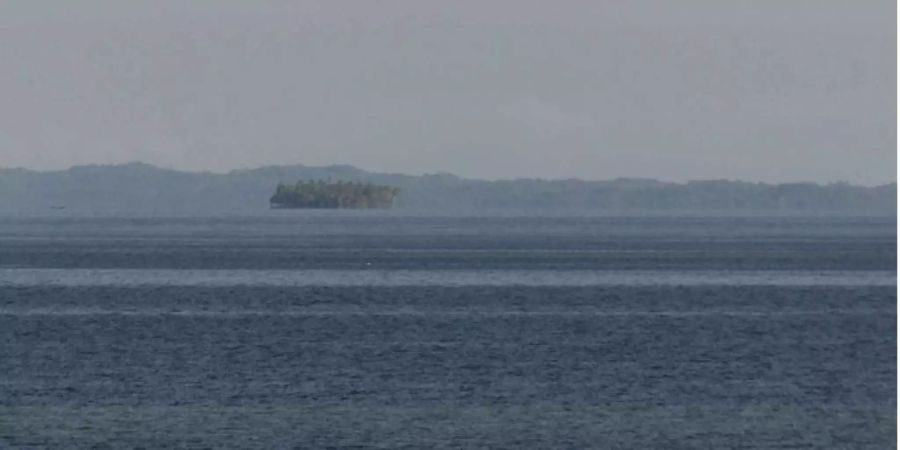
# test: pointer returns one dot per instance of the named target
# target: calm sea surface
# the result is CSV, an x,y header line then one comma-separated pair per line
x,y
363,329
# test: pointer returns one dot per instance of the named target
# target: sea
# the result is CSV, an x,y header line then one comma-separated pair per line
x,y
301,329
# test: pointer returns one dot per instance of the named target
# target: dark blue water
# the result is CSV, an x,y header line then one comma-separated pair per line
x,y
377,330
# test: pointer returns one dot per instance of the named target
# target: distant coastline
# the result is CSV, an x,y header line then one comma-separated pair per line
x,y
146,188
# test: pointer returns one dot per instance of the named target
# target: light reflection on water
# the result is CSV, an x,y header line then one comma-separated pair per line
x,y
293,278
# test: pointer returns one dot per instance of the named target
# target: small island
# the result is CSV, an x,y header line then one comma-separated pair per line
x,y
336,195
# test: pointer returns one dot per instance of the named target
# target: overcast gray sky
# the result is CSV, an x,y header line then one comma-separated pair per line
x,y
760,90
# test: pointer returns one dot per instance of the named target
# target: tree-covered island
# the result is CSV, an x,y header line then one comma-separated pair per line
x,y
341,194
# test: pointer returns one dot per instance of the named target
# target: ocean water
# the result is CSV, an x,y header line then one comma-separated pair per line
x,y
383,329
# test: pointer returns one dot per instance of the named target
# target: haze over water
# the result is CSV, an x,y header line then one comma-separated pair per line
x,y
697,246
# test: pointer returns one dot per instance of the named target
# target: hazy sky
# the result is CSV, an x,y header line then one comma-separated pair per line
x,y
762,90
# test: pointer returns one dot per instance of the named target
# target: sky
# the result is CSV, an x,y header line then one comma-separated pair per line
x,y
756,90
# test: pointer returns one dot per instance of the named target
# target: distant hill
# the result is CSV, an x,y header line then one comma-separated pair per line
x,y
146,188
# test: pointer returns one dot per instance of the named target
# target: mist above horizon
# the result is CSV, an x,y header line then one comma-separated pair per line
x,y
757,91
341,171
144,188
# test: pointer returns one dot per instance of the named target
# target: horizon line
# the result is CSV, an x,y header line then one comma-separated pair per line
x,y
439,173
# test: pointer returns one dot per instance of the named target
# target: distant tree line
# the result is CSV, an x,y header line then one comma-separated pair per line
x,y
341,194
141,187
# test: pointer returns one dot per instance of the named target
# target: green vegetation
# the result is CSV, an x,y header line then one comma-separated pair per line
x,y
319,194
